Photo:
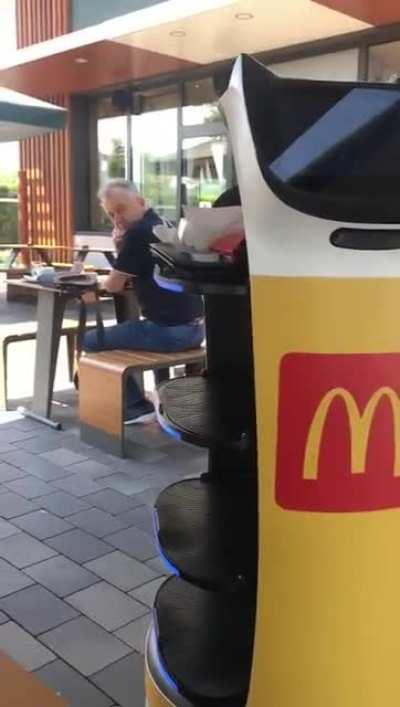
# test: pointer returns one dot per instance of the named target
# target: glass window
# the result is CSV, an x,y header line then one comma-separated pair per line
x,y
331,149
154,150
112,157
206,170
200,103
112,148
384,62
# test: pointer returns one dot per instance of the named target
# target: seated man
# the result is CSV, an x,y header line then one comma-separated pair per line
x,y
170,321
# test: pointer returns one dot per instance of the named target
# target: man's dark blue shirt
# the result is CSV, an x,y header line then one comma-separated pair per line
x,y
156,304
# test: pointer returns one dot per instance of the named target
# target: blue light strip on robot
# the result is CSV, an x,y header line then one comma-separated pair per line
x,y
166,427
166,285
161,666
170,567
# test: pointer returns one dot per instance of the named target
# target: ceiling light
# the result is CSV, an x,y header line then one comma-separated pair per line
x,y
178,33
81,60
244,16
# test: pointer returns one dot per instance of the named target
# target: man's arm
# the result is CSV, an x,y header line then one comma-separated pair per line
x,y
116,281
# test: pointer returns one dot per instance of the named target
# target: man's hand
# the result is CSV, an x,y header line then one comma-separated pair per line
x,y
89,297
118,234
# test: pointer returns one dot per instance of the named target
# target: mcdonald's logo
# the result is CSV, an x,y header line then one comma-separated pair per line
x,y
339,432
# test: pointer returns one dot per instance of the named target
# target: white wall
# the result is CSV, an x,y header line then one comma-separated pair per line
x,y
340,66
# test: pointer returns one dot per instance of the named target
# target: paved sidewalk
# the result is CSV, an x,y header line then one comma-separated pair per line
x,y
78,564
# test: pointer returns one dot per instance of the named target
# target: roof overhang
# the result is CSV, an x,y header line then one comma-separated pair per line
x,y
178,34
374,12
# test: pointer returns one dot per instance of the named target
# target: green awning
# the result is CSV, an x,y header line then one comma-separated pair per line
x,y
22,116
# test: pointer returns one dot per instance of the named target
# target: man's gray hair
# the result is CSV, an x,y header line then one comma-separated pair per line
x,y
113,184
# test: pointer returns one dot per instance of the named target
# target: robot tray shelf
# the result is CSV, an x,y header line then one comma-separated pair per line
x,y
207,529
205,640
204,411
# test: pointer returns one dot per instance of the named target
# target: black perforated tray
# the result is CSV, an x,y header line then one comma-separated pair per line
x,y
207,529
206,641
206,411
176,268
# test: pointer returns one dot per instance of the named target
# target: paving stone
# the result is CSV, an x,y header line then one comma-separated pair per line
x,y
7,529
147,455
9,473
122,571
74,444
75,689
134,542
90,469
77,485
147,593
62,576
37,609
42,524
97,522
32,464
79,546
13,434
161,479
158,565
111,501
29,487
26,425
134,634
62,504
63,457
141,517
151,435
149,497
121,482
40,443
128,466
3,618
23,648
124,681
107,606
21,550
11,579
5,448
85,645
12,505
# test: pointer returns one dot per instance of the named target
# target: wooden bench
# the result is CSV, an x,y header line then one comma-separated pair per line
x,y
27,331
19,688
102,385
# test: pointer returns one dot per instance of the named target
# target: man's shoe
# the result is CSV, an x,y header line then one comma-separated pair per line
x,y
143,411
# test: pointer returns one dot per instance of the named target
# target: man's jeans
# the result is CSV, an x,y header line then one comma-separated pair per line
x,y
147,336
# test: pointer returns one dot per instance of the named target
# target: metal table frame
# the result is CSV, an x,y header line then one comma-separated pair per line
x,y
51,304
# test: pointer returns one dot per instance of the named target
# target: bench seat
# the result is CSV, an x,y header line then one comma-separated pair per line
x,y
102,384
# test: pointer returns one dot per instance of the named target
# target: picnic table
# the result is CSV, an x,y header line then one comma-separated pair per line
x,y
51,304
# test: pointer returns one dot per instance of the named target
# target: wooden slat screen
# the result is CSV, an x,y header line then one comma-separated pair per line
x,y
46,161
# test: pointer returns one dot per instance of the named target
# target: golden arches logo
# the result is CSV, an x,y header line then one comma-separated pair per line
x,y
360,429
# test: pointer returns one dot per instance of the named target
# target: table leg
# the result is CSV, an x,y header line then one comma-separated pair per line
x,y
50,314
110,257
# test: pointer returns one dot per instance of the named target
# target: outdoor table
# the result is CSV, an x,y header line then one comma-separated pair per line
x,y
81,252
51,303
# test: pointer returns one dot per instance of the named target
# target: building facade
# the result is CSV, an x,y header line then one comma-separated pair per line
x,y
145,107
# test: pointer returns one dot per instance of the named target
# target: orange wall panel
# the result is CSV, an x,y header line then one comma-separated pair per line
x,y
46,160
